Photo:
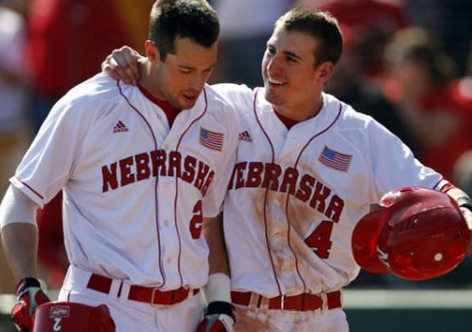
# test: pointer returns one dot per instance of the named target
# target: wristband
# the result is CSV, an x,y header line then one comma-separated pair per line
x,y
25,283
465,202
218,288
220,308
31,282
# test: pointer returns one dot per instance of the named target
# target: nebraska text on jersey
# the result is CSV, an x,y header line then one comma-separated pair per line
x,y
165,163
303,186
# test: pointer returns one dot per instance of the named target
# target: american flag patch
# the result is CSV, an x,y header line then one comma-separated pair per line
x,y
211,140
334,159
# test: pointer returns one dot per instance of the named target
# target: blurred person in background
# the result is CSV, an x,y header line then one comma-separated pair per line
x,y
13,94
370,23
449,21
423,85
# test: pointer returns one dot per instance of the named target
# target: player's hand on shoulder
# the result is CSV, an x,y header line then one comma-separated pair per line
x,y
219,317
123,64
30,295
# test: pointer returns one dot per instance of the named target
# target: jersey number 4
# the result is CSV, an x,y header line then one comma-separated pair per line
x,y
320,239
196,221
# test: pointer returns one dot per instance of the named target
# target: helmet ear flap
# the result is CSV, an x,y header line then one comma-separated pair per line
x,y
72,317
365,241
421,234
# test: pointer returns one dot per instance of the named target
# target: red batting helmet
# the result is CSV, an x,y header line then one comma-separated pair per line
x,y
72,317
418,234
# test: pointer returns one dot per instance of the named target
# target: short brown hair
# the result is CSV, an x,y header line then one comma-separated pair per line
x,y
194,19
319,24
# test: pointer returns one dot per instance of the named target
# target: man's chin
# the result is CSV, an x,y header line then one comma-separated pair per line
x,y
186,105
270,96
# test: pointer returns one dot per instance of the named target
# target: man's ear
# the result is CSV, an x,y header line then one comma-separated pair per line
x,y
325,71
151,50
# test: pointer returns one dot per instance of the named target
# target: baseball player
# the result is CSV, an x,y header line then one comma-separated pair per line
x,y
140,168
308,167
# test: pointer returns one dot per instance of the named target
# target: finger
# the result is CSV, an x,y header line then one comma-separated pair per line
x,y
132,62
133,66
125,66
123,72
107,68
110,72
128,58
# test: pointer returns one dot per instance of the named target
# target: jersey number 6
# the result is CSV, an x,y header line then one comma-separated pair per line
x,y
196,222
319,240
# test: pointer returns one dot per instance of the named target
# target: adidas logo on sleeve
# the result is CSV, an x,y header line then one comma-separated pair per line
x,y
244,136
120,127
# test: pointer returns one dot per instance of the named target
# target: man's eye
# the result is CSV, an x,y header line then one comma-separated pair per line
x,y
185,71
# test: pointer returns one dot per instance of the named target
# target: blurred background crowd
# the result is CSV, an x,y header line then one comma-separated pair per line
x,y
407,63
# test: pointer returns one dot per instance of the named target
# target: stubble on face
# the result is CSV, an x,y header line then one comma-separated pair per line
x,y
182,76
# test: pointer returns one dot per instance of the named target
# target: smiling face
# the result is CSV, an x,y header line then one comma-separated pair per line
x,y
293,79
180,77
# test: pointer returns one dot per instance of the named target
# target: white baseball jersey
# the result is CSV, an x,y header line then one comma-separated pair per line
x,y
295,195
134,190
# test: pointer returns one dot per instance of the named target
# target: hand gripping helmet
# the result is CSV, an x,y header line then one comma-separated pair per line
x,y
72,317
418,234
